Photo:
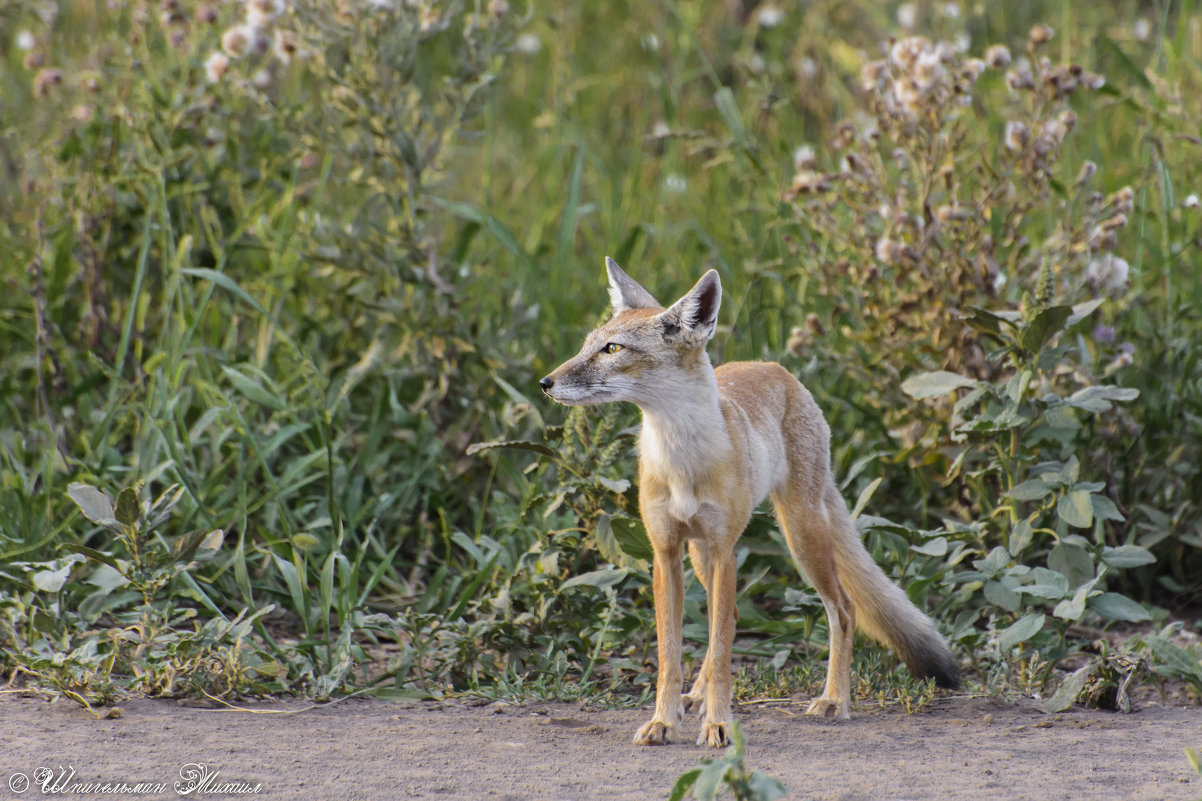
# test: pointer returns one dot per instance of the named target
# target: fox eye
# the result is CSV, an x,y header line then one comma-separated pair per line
x,y
611,347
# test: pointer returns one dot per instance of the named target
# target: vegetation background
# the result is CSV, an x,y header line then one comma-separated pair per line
x,y
279,279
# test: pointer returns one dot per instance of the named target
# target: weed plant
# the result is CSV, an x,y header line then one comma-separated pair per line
x,y
279,264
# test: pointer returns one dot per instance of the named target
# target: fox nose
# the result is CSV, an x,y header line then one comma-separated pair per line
x,y
546,383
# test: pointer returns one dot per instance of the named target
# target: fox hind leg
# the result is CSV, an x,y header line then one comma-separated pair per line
x,y
810,534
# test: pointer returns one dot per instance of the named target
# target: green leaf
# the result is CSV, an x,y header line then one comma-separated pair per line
x,y
95,505
511,444
1076,509
1045,583
684,784
765,788
129,511
52,580
1020,537
1114,606
225,282
1021,631
1074,608
999,594
1030,490
936,546
1100,398
606,577
711,779
1070,688
1195,761
1083,310
1046,324
494,226
728,109
934,384
93,554
865,497
631,537
184,547
1104,509
1127,556
1072,561
253,390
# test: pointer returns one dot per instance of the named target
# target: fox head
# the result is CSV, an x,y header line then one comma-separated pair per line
x,y
645,353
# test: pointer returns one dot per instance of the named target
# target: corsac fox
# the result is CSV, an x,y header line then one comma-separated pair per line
x,y
714,444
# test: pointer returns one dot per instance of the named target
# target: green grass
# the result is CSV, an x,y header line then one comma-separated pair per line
x,y
302,303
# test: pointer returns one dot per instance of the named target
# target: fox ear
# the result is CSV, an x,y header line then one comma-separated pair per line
x,y
697,312
624,292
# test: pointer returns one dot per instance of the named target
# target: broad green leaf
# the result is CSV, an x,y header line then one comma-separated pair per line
x,y
606,577
52,580
1076,509
724,99
932,547
107,579
1100,398
1020,537
765,788
1045,583
1021,631
684,784
618,486
992,564
1030,490
1074,608
1114,606
1070,688
512,444
1083,310
709,783
934,384
1127,556
631,537
999,594
1072,561
253,390
129,511
1104,508
95,504
1045,325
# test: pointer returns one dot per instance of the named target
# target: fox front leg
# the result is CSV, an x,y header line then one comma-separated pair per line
x,y
668,584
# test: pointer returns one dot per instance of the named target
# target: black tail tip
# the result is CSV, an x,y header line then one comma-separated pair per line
x,y
943,669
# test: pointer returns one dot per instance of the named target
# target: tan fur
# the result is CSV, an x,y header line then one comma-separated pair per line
x,y
714,444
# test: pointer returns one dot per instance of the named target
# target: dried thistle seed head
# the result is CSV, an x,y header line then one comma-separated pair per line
x,y
1040,34
1100,239
1016,136
237,40
216,65
804,158
1068,118
1091,80
797,341
888,251
1190,202
1111,223
873,75
1108,272
1123,200
46,80
33,60
206,14
498,8
285,46
928,70
1020,78
907,16
1088,170
908,97
807,182
844,136
973,68
997,56
815,325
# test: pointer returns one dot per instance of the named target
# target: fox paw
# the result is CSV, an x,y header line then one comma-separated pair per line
x,y
715,735
655,732
829,708
694,704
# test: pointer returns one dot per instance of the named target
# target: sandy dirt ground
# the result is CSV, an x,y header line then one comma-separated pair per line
x,y
958,748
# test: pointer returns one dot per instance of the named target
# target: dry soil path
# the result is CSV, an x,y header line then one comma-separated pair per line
x,y
959,748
